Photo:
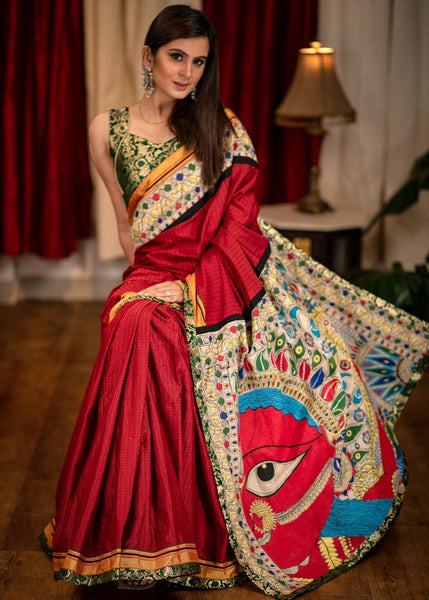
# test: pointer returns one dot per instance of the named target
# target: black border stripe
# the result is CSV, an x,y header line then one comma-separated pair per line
x,y
202,201
217,326
210,193
256,299
263,260
245,160
235,317
252,303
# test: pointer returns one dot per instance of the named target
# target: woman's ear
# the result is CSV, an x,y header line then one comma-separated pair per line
x,y
147,56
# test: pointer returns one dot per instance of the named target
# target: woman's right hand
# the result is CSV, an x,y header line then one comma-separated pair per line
x,y
169,291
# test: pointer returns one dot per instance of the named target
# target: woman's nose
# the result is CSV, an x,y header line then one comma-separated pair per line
x,y
186,68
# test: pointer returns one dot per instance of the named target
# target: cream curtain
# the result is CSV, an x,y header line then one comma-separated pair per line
x,y
114,34
382,50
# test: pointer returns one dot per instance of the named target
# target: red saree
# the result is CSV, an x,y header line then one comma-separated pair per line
x,y
297,376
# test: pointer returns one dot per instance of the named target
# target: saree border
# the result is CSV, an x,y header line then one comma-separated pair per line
x,y
180,564
226,173
175,191
164,170
159,174
132,296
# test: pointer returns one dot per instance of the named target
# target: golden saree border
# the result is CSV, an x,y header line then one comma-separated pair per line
x,y
48,534
124,559
127,297
168,166
213,570
176,186
172,556
230,114
131,296
197,303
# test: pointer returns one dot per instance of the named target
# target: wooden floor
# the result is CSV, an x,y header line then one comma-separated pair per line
x,y
47,351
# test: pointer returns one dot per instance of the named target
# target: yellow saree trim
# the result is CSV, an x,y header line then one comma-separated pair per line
x,y
124,298
197,303
168,166
231,115
49,533
125,559
130,296
138,559
212,570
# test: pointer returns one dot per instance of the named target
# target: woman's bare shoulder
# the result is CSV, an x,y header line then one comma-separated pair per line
x,y
100,122
98,131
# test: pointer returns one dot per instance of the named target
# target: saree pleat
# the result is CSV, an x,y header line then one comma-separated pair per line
x,y
137,467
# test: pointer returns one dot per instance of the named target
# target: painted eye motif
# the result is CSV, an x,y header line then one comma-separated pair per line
x,y
267,477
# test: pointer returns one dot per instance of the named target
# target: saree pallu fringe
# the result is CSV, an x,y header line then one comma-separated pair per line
x,y
298,378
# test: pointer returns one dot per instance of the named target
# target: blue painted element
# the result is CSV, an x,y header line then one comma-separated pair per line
x,y
293,313
266,397
317,378
314,329
357,396
355,517
400,459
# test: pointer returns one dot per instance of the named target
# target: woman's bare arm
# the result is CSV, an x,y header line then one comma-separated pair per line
x,y
102,159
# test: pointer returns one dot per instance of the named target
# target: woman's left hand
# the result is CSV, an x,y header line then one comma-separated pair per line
x,y
169,291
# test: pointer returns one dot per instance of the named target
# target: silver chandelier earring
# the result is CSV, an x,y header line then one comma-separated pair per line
x,y
147,77
194,94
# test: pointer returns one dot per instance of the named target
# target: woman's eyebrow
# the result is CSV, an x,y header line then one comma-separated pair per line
x,y
185,53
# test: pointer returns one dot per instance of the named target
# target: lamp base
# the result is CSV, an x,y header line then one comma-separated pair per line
x,y
312,203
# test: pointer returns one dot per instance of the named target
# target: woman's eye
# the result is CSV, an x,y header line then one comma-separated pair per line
x,y
267,477
177,57
200,62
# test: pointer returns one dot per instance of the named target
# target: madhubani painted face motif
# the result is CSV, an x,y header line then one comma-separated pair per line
x,y
287,490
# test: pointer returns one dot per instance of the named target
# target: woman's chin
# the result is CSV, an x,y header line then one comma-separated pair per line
x,y
173,94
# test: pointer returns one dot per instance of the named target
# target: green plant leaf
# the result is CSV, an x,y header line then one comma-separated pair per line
x,y
406,289
408,193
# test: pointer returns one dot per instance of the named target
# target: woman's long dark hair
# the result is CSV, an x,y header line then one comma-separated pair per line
x,y
197,124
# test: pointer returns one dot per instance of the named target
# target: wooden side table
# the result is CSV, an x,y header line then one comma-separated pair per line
x,y
332,238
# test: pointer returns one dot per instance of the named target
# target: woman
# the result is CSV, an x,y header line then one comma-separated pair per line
x,y
239,418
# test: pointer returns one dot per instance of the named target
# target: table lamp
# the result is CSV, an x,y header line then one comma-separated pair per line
x,y
315,93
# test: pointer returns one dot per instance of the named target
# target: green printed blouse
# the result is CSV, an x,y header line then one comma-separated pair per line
x,y
134,156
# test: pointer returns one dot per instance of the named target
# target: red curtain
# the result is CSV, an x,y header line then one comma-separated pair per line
x,y
258,50
46,189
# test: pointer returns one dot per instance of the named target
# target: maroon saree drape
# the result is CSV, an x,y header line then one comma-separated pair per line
x,y
46,189
298,377
258,49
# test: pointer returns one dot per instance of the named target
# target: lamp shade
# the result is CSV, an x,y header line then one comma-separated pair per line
x,y
315,91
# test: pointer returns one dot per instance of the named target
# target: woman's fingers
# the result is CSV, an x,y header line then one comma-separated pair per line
x,y
167,290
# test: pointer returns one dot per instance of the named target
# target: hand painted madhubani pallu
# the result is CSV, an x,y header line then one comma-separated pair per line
x,y
298,376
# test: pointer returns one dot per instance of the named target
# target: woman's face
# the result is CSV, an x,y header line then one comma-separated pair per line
x,y
177,66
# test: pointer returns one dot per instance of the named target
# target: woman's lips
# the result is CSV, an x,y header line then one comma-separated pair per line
x,y
181,86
